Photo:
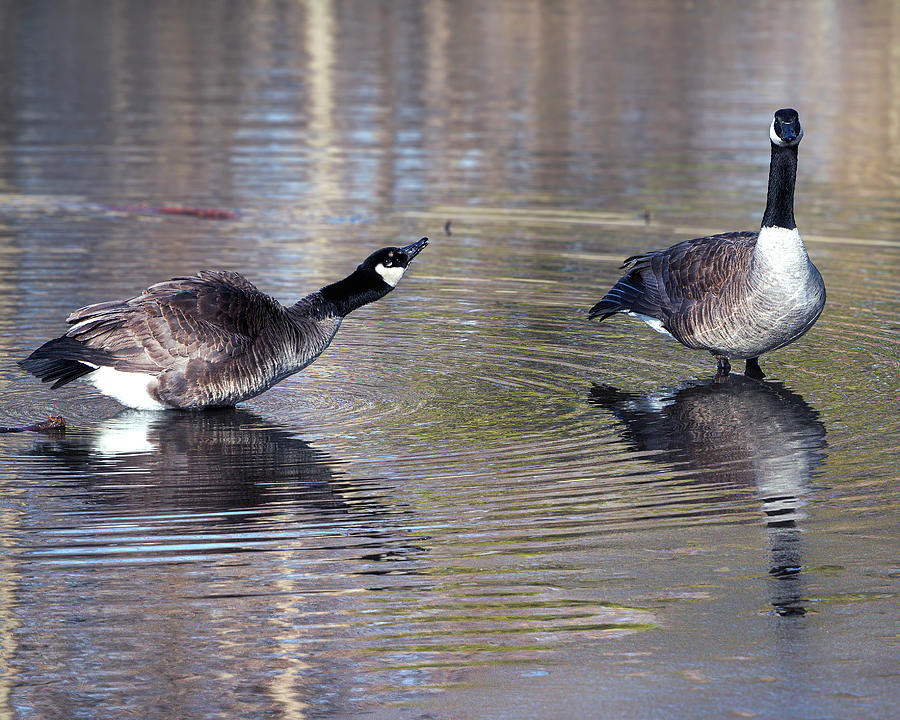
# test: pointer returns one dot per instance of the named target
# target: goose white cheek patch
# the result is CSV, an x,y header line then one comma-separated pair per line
x,y
391,275
773,136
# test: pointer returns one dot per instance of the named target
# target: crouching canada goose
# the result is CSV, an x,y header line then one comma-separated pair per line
x,y
212,339
739,294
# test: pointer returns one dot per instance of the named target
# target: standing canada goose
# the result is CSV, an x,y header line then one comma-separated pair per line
x,y
212,339
738,294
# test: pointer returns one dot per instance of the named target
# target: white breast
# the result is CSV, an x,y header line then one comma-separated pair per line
x,y
783,252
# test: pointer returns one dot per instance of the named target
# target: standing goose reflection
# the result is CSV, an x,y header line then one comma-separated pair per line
x,y
739,431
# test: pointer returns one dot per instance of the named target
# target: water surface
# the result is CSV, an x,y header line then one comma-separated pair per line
x,y
476,503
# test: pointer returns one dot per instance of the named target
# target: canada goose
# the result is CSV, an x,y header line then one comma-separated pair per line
x,y
739,294
211,339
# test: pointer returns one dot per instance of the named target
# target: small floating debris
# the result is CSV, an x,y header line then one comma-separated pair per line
x,y
205,213
198,212
447,228
53,425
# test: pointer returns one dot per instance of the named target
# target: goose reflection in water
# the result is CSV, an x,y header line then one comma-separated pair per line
x,y
228,469
739,431
211,555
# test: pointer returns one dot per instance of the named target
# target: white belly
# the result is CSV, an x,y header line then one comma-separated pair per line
x,y
130,389
653,322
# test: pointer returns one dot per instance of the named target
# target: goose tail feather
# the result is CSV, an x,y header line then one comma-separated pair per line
x,y
624,296
63,360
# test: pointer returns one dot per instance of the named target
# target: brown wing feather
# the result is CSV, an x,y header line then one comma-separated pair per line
x,y
672,284
695,278
690,286
693,270
210,316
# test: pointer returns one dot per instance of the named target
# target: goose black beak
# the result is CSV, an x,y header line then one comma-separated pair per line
x,y
412,250
788,133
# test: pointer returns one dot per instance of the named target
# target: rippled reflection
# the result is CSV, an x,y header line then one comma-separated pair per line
x,y
167,540
229,465
736,431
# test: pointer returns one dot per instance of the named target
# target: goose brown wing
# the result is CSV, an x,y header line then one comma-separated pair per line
x,y
680,285
694,272
210,316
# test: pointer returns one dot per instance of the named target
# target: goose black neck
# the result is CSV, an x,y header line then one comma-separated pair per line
x,y
782,177
352,292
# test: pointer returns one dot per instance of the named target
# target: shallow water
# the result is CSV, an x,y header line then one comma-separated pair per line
x,y
476,503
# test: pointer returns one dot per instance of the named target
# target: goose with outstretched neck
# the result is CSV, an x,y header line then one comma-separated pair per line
x,y
208,340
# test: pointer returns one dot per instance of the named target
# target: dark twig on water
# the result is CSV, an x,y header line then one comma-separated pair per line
x,y
52,425
205,213
198,212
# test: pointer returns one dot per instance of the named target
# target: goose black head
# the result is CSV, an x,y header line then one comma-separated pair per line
x,y
786,130
374,278
390,263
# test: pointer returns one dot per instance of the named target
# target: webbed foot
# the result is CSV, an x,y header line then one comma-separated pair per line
x,y
723,367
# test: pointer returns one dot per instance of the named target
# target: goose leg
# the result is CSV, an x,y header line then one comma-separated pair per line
x,y
723,367
753,370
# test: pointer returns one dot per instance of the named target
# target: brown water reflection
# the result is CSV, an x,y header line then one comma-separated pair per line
x,y
436,518
380,104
